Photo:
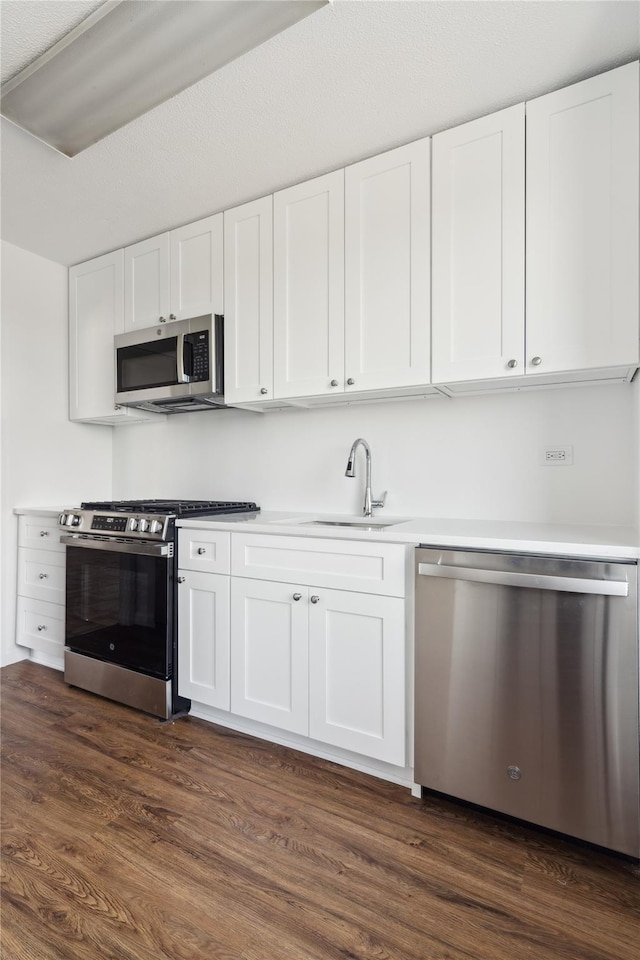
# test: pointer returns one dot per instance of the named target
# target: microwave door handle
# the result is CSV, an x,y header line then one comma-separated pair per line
x,y
182,377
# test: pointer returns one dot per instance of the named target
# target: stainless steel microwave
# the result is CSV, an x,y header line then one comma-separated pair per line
x,y
172,368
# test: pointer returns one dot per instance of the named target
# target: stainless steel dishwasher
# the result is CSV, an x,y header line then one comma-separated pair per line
x,y
526,698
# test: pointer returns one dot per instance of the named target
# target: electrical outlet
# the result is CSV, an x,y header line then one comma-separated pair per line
x,y
557,455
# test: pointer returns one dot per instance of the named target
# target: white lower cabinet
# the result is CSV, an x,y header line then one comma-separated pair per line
x,y
328,664
41,586
357,673
308,658
203,631
270,653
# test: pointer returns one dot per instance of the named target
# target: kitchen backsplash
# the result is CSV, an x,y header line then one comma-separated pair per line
x,y
469,457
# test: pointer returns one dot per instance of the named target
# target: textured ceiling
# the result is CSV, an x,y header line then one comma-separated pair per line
x,y
355,78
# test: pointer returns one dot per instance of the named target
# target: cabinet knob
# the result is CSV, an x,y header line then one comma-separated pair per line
x,y
297,596
350,381
44,533
334,383
536,361
43,576
180,579
41,627
201,550
315,599
117,406
172,316
512,363
263,390
162,319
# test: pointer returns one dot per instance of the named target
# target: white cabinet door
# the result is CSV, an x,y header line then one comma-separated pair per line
x,y
248,302
96,315
40,626
387,269
582,225
197,269
356,673
146,283
41,575
39,533
308,287
478,249
269,653
204,638
96,300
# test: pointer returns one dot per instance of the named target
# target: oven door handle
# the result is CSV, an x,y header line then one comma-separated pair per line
x,y
118,546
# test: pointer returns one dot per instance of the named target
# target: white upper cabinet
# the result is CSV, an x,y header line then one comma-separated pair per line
x,y
175,275
308,287
582,224
248,302
95,316
387,269
478,248
196,256
146,282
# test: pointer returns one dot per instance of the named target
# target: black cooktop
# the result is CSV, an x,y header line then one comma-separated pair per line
x,y
178,508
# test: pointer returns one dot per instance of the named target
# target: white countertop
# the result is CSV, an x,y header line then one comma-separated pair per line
x,y
576,540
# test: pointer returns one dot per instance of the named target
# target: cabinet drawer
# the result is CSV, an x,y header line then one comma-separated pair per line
x,y
39,533
40,626
204,550
345,565
41,575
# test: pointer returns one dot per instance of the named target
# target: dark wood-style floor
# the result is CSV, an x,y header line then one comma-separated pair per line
x,y
128,839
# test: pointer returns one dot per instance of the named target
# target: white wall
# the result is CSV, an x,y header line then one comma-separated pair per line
x,y
471,457
45,459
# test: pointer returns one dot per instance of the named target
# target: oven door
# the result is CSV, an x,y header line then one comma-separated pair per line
x,y
119,603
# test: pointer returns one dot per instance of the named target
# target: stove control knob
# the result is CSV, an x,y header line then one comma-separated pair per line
x,y
62,519
133,524
156,526
143,525
73,520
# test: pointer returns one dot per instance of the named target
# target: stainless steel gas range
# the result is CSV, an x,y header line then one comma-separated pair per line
x,y
121,602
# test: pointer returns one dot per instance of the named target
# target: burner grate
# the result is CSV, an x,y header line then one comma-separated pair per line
x,y
178,508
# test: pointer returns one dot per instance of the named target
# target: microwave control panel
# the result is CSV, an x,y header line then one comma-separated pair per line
x,y
199,355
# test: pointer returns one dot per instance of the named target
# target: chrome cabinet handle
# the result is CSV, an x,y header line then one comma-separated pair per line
x,y
172,316
350,381
512,364
41,627
43,576
263,390
181,579
162,319
536,361
44,533
334,383
297,596
201,550
315,599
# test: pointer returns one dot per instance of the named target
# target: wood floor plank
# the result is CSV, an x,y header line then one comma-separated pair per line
x,y
128,839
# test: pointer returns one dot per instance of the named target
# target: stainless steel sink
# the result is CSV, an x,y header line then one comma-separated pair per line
x,y
363,524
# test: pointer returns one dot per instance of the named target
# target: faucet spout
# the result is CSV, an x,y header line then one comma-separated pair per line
x,y
369,502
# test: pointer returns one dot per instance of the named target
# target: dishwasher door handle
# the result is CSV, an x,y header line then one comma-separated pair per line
x,y
509,578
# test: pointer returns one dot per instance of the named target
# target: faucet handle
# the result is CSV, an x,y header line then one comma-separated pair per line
x,y
381,501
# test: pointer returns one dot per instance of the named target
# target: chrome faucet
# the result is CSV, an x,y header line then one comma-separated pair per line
x,y
369,504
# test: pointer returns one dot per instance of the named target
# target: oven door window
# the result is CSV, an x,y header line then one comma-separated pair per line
x,y
119,609
147,365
